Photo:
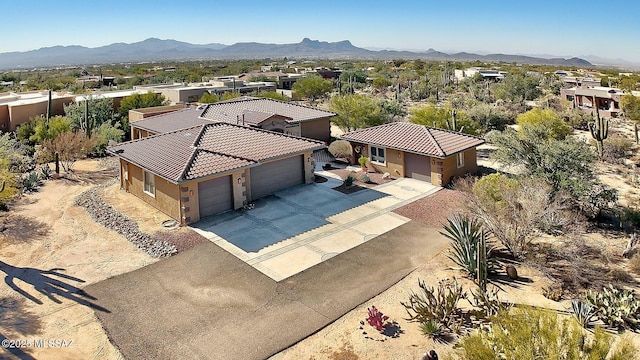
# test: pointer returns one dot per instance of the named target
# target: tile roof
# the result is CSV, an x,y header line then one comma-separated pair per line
x,y
231,110
256,118
209,149
415,138
171,121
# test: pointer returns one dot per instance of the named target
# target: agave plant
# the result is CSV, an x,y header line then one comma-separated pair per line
x,y
465,233
583,312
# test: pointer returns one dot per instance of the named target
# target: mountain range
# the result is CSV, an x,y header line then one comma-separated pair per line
x,y
153,49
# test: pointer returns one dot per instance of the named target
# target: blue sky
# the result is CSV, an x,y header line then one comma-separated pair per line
x,y
609,29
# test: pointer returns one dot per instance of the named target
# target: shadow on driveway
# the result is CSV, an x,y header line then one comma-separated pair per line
x,y
207,304
284,215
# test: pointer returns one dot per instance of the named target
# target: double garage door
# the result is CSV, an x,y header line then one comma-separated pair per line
x,y
417,167
268,178
216,195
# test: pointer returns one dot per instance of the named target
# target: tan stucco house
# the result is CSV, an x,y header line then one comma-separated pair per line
x,y
416,151
210,168
263,113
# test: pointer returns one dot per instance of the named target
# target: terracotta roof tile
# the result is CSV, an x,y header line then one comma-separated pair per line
x,y
231,110
210,149
171,121
415,138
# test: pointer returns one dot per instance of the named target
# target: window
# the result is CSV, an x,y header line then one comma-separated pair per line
x,y
149,183
460,160
377,155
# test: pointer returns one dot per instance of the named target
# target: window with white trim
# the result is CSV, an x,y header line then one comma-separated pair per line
x,y
377,155
460,160
149,183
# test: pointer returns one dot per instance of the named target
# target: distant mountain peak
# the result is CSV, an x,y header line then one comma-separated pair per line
x,y
155,49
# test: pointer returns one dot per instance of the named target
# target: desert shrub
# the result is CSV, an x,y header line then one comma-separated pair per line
x,y
432,329
365,179
618,308
512,210
464,234
583,312
490,117
528,333
349,180
9,187
634,263
341,149
438,304
548,120
616,149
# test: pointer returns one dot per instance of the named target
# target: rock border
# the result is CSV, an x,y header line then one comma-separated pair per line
x,y
107,216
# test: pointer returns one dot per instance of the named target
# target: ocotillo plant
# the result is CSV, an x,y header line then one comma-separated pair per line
x,y
599,131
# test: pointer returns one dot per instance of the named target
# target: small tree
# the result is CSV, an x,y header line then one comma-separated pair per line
x,y
356,111
442,117
312,87
208,98
70,147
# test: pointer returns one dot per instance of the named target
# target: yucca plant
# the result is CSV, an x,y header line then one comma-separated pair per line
x,y
465,233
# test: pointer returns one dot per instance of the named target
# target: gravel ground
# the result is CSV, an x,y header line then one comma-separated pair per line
x,y
376,178
433,210
110,218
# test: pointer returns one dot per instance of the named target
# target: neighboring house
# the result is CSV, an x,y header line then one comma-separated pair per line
x,y
207,169
580,81
266,113
586,98
190,93
487,74
416,151
261,113
18,108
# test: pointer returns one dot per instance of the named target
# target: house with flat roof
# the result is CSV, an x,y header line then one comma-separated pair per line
x,y
416,151
213,167
587,98
18,108
190,93
268,114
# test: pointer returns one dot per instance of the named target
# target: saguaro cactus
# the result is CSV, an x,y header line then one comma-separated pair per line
x,y
599,130
481,273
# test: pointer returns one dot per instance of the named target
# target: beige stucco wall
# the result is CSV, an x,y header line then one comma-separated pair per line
x,y
139,114
167,196
394,164
22,113
444,170
4,117
319,129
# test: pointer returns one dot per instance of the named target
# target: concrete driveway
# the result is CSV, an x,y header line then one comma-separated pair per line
x,y
207,304
300,227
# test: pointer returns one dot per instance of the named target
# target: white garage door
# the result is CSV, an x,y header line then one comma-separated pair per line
x,y
215,196
274,176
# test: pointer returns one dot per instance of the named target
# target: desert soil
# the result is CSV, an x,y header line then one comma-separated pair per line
x,y
45,231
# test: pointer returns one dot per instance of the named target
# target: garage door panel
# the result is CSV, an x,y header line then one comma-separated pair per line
x,y
268,178
215,196
417,167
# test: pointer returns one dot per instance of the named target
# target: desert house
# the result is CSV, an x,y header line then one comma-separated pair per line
x,y
210,168
255,112
416,151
